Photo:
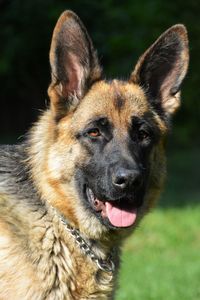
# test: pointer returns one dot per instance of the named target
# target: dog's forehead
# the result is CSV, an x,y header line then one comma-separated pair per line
x,y
116,100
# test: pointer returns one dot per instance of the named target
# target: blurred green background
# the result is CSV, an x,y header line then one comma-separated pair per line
x,y
162,260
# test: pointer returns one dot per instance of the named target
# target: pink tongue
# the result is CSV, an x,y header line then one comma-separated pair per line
x,y
119,217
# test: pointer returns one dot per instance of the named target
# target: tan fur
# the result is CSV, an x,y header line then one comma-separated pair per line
x,y
39,259
61,267
57,260
53,175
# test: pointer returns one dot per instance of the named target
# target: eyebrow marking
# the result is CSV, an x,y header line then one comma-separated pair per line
x,y
119,101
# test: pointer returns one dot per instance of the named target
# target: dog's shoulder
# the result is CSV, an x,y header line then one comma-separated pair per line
x,y
16,214
15,179
19,200
11,157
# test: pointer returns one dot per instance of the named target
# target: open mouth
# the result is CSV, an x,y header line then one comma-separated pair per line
x,y
120,213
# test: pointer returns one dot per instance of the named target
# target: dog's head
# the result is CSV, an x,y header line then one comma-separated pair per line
x,y
104,159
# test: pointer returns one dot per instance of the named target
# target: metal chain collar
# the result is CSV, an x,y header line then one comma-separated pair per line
x,y
104,265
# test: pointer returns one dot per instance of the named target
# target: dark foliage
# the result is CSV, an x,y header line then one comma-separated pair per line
x,y
121,31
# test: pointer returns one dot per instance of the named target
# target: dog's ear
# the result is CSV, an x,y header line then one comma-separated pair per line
x,y
74,64
162,68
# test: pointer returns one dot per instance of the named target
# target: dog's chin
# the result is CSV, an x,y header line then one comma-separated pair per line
x,y
115,213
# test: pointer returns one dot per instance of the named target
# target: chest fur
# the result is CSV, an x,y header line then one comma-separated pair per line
x,y
48,264
65,271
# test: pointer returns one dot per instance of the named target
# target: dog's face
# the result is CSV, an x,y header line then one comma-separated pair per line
x,y
117,136
105,162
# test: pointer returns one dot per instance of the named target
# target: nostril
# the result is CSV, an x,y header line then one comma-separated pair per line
x,y
121,181
125,177
121,178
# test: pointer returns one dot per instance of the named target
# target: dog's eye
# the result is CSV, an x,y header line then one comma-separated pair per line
x,y
94,133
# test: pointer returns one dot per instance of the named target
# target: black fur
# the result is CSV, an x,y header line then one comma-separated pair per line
x,y
14,174
108,155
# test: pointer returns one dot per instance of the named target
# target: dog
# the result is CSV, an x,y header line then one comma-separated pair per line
x,y
88,170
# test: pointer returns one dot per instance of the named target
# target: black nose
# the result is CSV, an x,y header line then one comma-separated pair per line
x,y
124,178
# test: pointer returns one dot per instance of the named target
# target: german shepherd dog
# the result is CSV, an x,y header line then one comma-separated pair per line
x,y
88,170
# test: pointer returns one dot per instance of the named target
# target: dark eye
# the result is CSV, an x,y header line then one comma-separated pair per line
x,y
143,135
94,132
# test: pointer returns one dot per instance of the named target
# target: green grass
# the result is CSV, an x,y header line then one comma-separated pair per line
x,y
161,260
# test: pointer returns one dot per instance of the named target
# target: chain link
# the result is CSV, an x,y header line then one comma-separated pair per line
x,y
104,265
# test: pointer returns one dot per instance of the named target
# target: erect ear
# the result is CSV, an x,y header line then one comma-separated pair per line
x,y
74,64
162,68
